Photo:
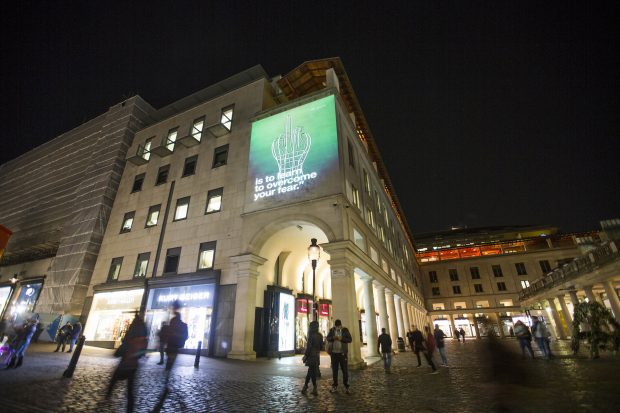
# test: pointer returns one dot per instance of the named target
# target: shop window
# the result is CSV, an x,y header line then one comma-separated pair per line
x,y
505,303
359,240
171,139
501,286
142,264
454,275
137,183
525,284
127,221
115,269
162,175
181,209
432,275
197,128
435,291
214,200
497,271
171,265
355,195
153,216
459,305
227,117
482,304
190,165
351,154
544,266
475,273
206,255
220,156
456,289
478,288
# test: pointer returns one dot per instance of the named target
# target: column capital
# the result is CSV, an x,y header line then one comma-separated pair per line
x,y
247,264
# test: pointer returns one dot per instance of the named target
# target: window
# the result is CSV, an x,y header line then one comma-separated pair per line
x,y
142,264
456,289
497,271
544,266
190,165
439,306
162,175
454,276
351,154
366,182
220,156
137,183
475,273
520,268
146,150
385,266
214,200
181,210
171,139
355,194
227,116
197,127
432,275
171,265
374,255
478,288
153,216
359,240
115,269
435,291
127,221
370,217
501,286
206,255
525,283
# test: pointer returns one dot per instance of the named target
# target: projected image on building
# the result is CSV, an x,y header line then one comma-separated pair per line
x,y
291,151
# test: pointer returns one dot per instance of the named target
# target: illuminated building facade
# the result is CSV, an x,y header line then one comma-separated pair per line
x,y
219,202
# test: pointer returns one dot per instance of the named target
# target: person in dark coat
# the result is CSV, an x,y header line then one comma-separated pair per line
x,y
22,341
385,347
430,345
441,345
338,340
63,335
312,356
418,343
75,334
163,339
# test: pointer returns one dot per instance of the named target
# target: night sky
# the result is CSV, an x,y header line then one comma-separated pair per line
x,y
486,113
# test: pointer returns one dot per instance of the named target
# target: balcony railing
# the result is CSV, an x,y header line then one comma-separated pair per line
x,y
602,255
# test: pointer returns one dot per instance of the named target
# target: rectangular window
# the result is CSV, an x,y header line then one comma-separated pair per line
x,y
454,276
206,255
501,286
370,217
351,154
142,264
525,283
520,268
497,271
197,128
190,165
432,275
115,269
475,273
162,175
374,255
137,183
127,221
478,288
456,289
544,266
355,194
180,211
220,156
146,149
227,117
435,291
171,139
171,265
385,266
214,200
359,240
153,216
366,182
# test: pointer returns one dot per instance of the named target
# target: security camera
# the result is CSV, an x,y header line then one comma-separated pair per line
x,y
335,204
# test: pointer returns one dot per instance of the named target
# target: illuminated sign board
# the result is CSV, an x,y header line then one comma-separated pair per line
x,y
118,300
286,326
188,296
293,152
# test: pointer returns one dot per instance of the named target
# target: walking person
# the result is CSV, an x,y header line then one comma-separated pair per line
x,y
462,333
312,356
410,338
418,343
385,346
541,335
439,340
22,341
75,334
338,340
163,339
457,335
430,345
132,348
525,338
63,335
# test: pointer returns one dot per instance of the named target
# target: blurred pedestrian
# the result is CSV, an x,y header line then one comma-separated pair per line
x,y
132,348
75,334
541,335
439,339
385,347
525,338
418,344
176,335
63,335
410,338
338,340
462,333
22,341
312,356
163,339
457,334
430,345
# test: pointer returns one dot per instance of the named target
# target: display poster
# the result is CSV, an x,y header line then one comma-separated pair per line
x,y
286,325
26,300
5,293
293,153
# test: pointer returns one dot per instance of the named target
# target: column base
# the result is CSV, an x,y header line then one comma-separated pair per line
x,y
241,356
357,365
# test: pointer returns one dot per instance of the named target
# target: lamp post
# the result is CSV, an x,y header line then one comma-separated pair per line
x,y
314,253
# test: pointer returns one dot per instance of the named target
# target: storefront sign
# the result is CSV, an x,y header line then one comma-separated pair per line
x,y
286,327
188,296
118,300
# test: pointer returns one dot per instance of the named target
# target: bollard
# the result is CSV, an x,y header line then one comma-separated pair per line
x,y
197,361
74,359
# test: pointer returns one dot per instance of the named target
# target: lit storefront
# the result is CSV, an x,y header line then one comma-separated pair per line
x,y
5,296
303,316
277,323
444,325
110,315
325,316
463,322
25,301
363,328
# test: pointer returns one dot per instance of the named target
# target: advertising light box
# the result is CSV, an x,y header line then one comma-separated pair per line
x,y
286,328
293,154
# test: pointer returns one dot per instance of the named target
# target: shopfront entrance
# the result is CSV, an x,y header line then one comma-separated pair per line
x,y
110,315
23,306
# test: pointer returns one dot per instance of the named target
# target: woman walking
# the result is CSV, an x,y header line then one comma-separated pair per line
x,y
312,356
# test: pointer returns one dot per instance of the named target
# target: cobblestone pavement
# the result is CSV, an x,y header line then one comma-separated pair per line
x,y
482,377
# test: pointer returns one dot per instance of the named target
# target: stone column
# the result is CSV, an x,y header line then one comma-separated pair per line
x,y
590,294
242,346
566,313
573,297
371,323
391,309
453,325
383,312
498,319
476,328
612,296
403,305
399,316
556,319
411,310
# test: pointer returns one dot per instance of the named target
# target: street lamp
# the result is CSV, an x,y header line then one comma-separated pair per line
x,y
314,253
14,279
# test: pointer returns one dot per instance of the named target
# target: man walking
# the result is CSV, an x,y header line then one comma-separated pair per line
x,y
338,340
385,346
541,335
439,340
